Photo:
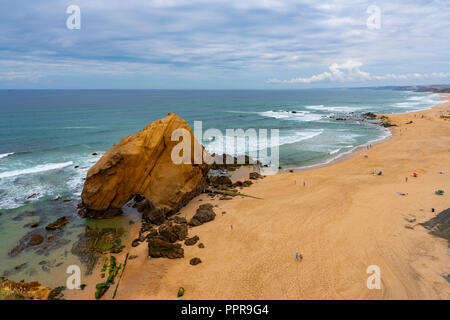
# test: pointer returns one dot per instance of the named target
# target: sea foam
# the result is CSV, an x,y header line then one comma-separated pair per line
x,y
37,169
4,155
287,115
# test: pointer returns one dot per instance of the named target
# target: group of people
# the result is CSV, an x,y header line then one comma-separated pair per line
x,y
298,257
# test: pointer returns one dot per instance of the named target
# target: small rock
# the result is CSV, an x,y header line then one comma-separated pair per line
x,y
57,224
204,214
20,266
34,225
180,292
57,198
95,154
135,243
35,240
132,257
201,245
255,175
34,195
195,261
217,181
408,226
191,241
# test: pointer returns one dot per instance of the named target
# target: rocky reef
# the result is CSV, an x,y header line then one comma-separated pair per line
x,y
12,290
141,164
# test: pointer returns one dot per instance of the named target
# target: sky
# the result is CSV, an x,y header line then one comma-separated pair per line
x,y
223,44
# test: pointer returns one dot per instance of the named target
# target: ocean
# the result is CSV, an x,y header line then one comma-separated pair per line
x,y
50,138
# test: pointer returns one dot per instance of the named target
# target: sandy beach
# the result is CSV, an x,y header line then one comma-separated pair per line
x,y
341,217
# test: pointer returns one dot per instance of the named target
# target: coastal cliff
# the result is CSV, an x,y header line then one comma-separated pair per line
x,y
141,164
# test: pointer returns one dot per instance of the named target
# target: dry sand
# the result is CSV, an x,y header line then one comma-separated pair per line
x,y
344,220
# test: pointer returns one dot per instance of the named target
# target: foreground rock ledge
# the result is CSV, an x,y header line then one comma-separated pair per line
x,y
141,164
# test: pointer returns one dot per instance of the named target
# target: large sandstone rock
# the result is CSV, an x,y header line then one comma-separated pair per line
x,y
142,164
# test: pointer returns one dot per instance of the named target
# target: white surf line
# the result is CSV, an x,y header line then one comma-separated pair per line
x,y
37,169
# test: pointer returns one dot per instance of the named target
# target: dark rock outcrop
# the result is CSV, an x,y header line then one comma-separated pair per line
x,y
173,233
255,176
58,223
217,181
204,214
191,241
160,248
195,261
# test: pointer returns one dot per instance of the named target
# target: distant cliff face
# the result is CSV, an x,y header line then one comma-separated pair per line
x,y
141,164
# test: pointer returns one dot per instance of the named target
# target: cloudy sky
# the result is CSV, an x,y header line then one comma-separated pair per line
x,y
219,44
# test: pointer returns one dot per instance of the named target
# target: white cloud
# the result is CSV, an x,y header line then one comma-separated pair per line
x,y
350,71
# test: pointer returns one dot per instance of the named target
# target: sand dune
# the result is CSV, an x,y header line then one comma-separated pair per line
x,y
343,221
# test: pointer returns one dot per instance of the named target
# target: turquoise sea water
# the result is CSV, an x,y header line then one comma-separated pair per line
x,y
45,134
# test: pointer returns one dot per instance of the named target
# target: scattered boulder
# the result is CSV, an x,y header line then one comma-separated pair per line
x,y
180,292
142,164
191,241
201,245
160,248
217,181
34,195
195,261
135,243
58,223
35,239
29,240
180,220
204,214
34,225
155,215
173,233
255,176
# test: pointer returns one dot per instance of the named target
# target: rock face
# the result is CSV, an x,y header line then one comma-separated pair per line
x,y
141,164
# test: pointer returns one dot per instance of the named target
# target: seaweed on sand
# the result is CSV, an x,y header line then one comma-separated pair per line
x,y
93,243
